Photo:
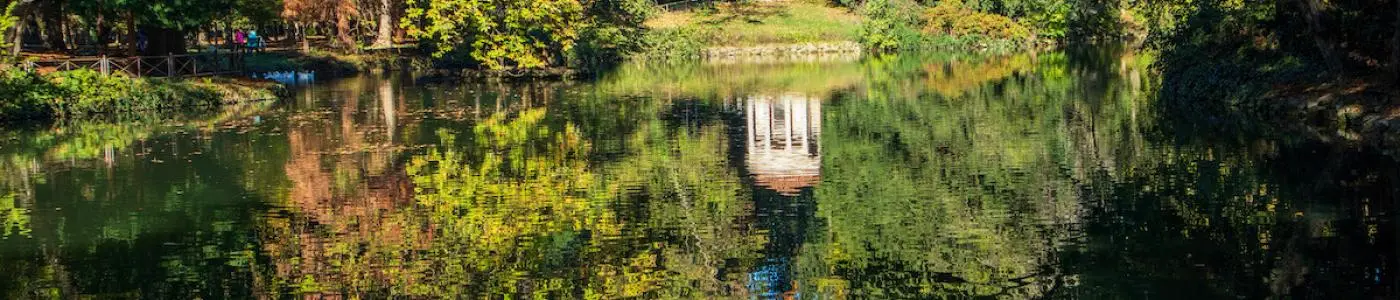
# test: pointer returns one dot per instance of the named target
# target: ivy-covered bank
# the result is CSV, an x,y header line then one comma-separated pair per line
x,y
83,93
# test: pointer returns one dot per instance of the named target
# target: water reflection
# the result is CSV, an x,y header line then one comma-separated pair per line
x,y
782,148
290,78
1035,176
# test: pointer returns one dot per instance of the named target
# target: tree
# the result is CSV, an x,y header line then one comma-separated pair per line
x,y
307,12
13,21
52,22
502,34
301,12
1312,11
385,36
163,22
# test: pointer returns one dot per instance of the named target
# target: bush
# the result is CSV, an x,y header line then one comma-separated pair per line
x,y
21,94
85,92
890,25
600,46
671,44
949,17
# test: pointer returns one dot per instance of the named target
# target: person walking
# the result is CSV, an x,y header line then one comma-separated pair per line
x,y
239,38
141,41
254,42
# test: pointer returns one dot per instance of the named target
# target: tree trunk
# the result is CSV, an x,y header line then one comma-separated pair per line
x,y
55,29
1395,46
102,34
67,33
345,10
131,35
301,34
385,38
228,34
19,37
1312,14
342,31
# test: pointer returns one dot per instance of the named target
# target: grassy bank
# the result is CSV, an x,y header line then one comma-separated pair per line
x,y
84,93
689,33
331,63
760,28
760,23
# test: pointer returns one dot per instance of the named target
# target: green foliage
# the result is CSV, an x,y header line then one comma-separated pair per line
x,y
1225,56
22,94
85,92
671,44
502,34
904,25
166,13
1048,18
8,20
527,34
1006,23
949,17
611,33
890,25
14,218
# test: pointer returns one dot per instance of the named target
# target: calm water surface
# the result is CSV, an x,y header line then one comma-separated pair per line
x,y
1033,176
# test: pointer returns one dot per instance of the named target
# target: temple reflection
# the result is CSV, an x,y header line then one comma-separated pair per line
x,y
783,141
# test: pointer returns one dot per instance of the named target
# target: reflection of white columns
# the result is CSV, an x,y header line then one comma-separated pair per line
x,y
782,143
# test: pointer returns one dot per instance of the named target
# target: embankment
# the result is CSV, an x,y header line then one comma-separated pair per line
x,y
83,93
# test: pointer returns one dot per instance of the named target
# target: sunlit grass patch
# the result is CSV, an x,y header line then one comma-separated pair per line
x,y
757,23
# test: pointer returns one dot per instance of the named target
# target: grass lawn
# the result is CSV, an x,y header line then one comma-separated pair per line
x,y
757,23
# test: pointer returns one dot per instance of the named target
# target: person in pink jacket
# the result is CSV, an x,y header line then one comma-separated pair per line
x,y
239,38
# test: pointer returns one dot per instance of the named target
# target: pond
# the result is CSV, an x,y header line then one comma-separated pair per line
x,y
1048,175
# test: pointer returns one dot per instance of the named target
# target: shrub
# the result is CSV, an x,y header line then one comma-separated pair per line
x,y
602,45
21,94
85,92
671,44
949,17
890,25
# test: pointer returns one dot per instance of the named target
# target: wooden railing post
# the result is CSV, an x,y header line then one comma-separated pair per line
x,y
138,66
170,65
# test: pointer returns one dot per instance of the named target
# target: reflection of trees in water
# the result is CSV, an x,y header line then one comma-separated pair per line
x,y
1212,215
1048,180
97,233
1271,221
349,216
77,226
932,193
514,205
523,200
1058,182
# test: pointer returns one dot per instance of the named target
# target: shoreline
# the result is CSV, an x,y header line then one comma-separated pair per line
x,y
790,49
1360,112
56,97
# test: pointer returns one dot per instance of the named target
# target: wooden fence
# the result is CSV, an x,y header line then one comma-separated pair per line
x,y
182,65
